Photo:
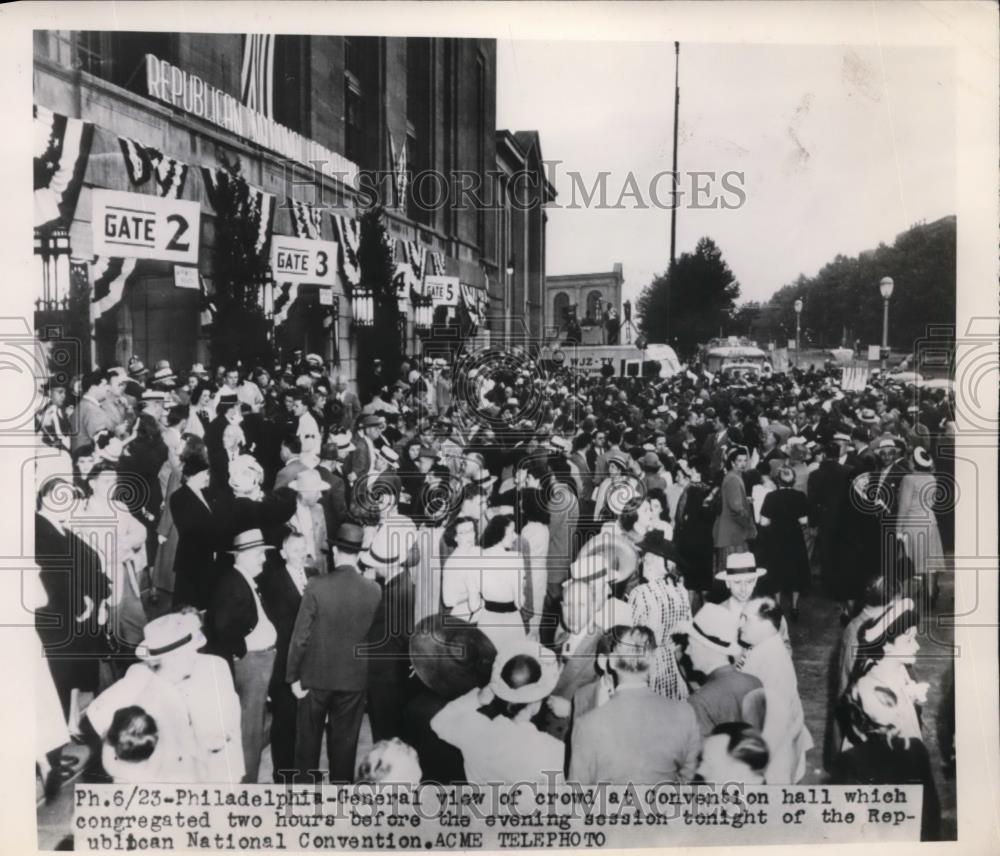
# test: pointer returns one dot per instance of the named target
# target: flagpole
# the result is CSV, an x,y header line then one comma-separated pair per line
x,y
673,208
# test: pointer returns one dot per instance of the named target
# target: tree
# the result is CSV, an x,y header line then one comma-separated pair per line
x,y
688,307
382,339
240,329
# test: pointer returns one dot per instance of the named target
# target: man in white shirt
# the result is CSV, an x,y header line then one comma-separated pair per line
x,y
768,659
309,520
243,633
741,577
308,429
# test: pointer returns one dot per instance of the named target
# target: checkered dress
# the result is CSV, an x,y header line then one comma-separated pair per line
x,y
661,605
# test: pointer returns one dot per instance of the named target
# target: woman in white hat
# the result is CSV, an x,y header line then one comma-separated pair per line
x,y
106,524
492,726
916,520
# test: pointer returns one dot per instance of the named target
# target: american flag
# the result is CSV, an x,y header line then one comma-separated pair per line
x,y
144,162
347,234
306,220
400,176
61,149
257,78
111,275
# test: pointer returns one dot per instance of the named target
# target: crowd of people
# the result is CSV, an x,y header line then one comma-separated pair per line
x,y
516,574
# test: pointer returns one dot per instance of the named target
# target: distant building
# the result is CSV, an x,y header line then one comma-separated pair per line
x,y
353,102
590,295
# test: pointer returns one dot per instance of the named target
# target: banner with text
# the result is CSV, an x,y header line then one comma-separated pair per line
x,y
135,225
303,260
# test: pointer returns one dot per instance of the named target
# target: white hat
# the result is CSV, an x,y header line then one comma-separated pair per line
x,y
308,480
740,565
343,443
528,693
715,626
169,633
389,455
560,443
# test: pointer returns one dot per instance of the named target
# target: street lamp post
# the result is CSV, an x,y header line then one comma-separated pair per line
x,y
798,328
885,287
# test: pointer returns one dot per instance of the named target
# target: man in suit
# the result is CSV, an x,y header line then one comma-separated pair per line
x,y
90,417
711,643
244,635
637,736
827,490
351,405
281,586
325,674
367,443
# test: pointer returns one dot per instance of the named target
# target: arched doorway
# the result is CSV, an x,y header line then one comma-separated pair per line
x,y
560,303
595,303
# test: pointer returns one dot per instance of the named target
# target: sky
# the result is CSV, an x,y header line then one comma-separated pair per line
x,y
840,148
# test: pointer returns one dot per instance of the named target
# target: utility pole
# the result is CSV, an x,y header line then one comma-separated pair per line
x,y
673,207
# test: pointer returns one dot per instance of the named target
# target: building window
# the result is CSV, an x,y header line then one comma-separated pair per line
x,y
120,57
595,306
292,83
352,118
560,309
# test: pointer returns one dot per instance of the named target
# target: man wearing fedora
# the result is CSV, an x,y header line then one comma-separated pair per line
x,y
245,636
309,519
740,576
326,673
189,694
367,442
712,641
387,649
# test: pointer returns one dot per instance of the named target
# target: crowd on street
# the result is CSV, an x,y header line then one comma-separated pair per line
x,y
516,574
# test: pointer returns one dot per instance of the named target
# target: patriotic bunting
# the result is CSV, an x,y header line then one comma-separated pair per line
x,y
144,162
437,263
61,149
409,275
283,300
347,234
257,76
253,203
111,275
306,220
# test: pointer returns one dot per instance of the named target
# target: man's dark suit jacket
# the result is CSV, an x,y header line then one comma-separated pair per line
x,y
334,618
280,599
233,616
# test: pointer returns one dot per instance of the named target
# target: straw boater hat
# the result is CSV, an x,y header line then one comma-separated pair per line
x,y
169,634
740,566
250,539
382,555
715,627
308,480
560,443
343,443
606,557
921,460
528,693
867,416
198,370
389,455
165,376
